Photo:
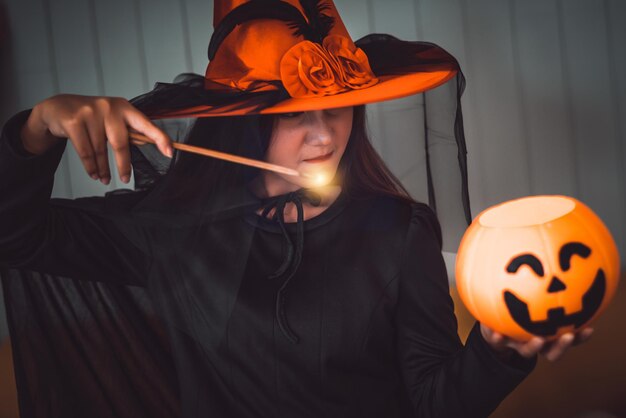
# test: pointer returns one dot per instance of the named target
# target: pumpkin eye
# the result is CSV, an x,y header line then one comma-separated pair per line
x,y
528,259
568,250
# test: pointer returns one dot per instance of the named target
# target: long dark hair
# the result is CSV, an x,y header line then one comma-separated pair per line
x,y
364,172
195,179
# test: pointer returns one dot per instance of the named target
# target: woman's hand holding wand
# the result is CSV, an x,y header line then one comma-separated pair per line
x,y
89,122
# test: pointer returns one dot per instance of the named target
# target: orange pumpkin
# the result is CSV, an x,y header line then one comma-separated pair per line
x,y
540,265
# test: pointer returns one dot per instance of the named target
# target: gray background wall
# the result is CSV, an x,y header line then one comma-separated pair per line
x,y
545,105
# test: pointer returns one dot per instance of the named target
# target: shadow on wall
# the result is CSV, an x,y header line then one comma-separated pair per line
x,y
7,72
7,103
8,393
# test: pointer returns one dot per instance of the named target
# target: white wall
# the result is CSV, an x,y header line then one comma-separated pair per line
x,y
545,105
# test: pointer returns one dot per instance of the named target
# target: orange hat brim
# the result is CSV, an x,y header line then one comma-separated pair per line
x,y
388,88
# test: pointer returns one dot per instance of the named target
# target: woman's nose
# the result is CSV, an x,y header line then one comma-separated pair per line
x,y
319,131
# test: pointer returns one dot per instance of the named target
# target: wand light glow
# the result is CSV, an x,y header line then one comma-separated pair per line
x,y
318,178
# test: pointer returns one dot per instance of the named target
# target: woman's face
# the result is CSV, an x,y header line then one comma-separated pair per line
x,y
310,142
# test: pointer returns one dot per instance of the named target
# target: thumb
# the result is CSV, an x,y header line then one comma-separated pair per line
x,y
139,122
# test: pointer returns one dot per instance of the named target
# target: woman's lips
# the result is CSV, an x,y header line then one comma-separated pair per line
x,y
320,159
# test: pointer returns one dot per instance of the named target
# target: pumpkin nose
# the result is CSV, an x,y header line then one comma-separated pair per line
x,y
556,285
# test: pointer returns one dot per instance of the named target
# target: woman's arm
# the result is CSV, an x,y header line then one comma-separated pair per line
x,y
89,238
443,378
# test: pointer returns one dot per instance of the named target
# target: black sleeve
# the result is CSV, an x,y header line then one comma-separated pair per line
x,y
442,377
90,238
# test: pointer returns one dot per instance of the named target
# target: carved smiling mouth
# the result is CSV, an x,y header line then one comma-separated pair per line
x,y
592,299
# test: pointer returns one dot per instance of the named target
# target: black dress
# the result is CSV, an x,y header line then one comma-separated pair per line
x,y
167,320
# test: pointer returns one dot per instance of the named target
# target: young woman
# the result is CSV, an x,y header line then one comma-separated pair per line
x,y
277,298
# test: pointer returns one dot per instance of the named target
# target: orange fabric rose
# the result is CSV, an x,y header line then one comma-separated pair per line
x,y
307,70
354,67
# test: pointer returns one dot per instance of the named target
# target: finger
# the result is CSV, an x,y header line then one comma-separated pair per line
x,y
560,346
582,336
496,338
546,348
139,122
493,338
529,348
95,128
77,133
586,334
117,133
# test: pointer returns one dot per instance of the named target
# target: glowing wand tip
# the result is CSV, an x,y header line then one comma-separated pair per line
x,y
318,179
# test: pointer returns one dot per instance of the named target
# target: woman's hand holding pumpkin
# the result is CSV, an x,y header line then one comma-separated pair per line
x,y
551,350
89,122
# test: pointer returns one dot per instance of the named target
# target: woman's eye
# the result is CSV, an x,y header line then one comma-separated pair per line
x,y
290,115
337,111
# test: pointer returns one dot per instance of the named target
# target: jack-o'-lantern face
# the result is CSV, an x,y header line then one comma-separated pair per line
x,y
542,265
558,317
